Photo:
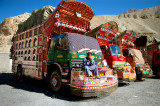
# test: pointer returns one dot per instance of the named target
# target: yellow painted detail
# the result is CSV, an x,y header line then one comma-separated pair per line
x,y
59,56
125,76
93,57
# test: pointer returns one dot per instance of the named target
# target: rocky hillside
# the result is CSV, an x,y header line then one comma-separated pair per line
x,y
37,17
150,25
146,22
13,25
10,25
8,28
154,11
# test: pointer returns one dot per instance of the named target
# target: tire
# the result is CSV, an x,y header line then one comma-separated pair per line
x,y
19,73
56,81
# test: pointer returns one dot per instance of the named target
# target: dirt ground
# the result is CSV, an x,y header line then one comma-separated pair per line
x,y
32,92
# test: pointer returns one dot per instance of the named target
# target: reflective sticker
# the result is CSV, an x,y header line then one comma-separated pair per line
x,y
82,56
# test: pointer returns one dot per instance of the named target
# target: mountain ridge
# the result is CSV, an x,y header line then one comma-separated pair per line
x,y
134,19
154,11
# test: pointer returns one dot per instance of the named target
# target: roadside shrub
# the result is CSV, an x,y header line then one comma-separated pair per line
x,y
135,16
129,15
144,16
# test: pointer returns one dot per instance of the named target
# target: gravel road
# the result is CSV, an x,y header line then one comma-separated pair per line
x,y
33,92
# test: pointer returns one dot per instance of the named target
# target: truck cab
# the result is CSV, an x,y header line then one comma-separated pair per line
x,y
117,61
105,35
113,55
69,50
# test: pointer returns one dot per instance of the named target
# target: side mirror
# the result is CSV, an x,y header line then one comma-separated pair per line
x,y
107,50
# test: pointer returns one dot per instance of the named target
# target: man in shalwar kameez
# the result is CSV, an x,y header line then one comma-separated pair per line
x,y
89,65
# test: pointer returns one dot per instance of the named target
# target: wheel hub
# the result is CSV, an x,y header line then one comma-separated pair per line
x,y
54,81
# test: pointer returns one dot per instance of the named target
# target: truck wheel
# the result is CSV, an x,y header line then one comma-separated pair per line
x,y
55,81
19,74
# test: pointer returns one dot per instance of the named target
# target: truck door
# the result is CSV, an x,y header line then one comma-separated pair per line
x,y
58,51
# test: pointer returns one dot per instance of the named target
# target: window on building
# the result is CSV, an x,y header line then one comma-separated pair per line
x,y
30,42
35,42
25,58
34,58
19,45
34,51
29,58
26,52
26,44
22,44
29,51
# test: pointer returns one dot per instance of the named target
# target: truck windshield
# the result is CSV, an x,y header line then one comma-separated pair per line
x,y
82,44
115,50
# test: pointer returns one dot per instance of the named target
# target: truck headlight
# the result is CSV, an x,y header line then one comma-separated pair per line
x,y
113,62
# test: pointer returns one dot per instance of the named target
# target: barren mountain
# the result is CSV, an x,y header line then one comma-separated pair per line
x,y
37,17
13,25
146,22
10,25
150,25
150,11
8,28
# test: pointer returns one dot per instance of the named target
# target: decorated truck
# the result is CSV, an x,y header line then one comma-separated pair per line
x,y
49,51
133,55
112,52
153,56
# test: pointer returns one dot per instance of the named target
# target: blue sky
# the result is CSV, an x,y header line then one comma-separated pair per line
x,y
10,8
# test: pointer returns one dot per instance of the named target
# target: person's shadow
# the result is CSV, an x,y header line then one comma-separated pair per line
x,y
38,86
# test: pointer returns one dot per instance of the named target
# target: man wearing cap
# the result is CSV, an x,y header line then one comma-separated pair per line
x,y
89,64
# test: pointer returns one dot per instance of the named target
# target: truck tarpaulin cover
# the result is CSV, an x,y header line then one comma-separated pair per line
x,y
138,56
78,42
